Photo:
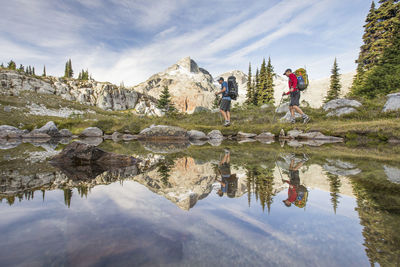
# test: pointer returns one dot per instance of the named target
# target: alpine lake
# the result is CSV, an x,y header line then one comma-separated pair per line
x,y
220,204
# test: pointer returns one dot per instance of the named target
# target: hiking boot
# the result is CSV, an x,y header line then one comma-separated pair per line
x,y
306,119
292,120
227,123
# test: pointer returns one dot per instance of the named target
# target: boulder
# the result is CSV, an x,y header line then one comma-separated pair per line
x,y
341,111
49,128
283,108
197,135
36,135
215,142
163,132
393,102
282,134
65,133
392,173
199,109
7,131
195,142
215,134
92,132
265,135
340,103
293,134
78,153
319,136
242,135
116,136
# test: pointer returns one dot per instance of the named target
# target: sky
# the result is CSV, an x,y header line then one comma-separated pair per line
x,y
128,41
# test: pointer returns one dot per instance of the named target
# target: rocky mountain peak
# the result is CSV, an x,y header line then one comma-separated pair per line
x,y
186,64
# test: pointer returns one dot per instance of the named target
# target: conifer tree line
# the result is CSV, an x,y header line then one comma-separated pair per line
x,y
260,88
378,63
68,72
84,75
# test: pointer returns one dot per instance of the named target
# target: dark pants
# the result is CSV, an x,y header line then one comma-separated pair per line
x,y
225,105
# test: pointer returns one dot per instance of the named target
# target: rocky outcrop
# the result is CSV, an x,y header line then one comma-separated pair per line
x,y
163,132
189,85
393,102
104,95
339,107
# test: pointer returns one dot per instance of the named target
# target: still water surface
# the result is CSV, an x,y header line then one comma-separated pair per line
x,y
248,205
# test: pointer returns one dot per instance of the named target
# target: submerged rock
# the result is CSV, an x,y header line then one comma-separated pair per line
x,y
78,153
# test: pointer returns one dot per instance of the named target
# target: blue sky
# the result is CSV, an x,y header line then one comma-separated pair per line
x,y
121,40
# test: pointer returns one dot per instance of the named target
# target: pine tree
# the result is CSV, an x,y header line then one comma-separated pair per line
x,y
165,102
67,197
71,72
262,84
269,90
255,88
66,71
335,86
249,94
44,71
2,65
384,78
33,71
21,68
30,70
11,65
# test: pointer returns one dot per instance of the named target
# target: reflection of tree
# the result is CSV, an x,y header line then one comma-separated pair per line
x,y
83,190
335,184
378,209
260,183
164,169
67,196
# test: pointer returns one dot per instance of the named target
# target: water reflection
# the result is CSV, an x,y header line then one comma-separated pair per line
x,y
237,196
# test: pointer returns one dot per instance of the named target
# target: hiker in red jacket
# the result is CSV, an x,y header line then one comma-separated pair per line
x,y
294,97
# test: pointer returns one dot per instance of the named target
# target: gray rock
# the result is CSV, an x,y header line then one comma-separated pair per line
x,y
392,173
36,135
49,128
393,102
246,140
93,141
7,109
266,141
197,135
318,136
9,144
215,134
282,134
215,142
341,111
7,131
195,142
163,132
283,108
293,134
65,133
116,136
265,135
92,132
263,106
242,135
340,103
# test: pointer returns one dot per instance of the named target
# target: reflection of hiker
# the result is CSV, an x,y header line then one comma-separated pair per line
x,y
294,97
294,183
228,181
225,106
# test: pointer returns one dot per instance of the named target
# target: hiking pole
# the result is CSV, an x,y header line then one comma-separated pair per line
x,y
280,103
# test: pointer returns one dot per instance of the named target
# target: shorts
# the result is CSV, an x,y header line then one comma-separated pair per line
x,y
225,105
295,98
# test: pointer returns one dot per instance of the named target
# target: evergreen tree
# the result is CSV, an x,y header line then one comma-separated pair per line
x,y
335,86
68,73
21,68
83,75
255,88
26,70
30,70
249,94
67,197
2,65
262,84
33,71
269,90
384,78
11,65
165,102
44,71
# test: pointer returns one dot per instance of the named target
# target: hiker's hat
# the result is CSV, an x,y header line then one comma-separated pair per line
x,y
287,71
220,79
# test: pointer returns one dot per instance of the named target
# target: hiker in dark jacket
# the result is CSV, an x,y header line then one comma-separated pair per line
x,y
225,106
294,97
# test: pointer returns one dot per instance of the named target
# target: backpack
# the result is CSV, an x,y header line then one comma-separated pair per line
x,y
302,79
302,195
233,89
